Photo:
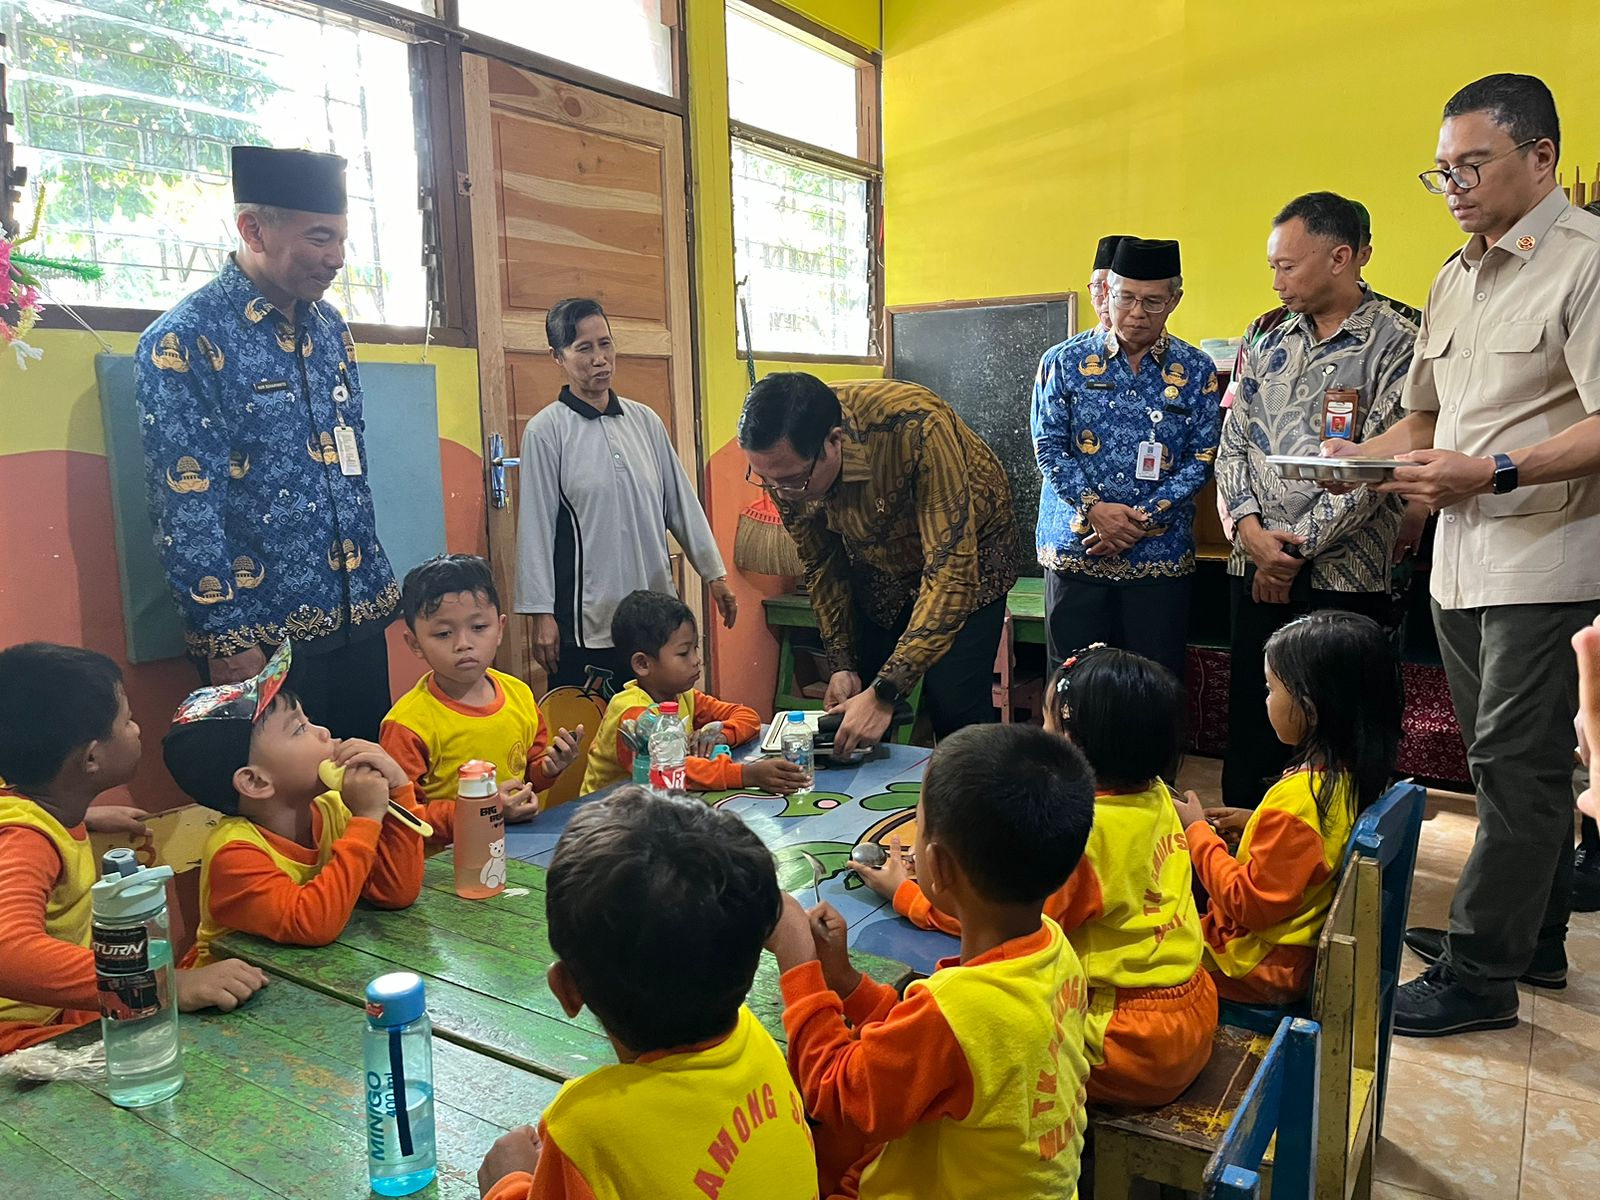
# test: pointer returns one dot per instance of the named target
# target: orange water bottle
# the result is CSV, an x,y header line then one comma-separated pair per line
x,y
480,847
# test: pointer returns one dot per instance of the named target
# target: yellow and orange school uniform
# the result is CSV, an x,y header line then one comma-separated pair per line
x,y
611,758
1128,910
1269,901
47,979
254,881
971,1086
431,736
720,1119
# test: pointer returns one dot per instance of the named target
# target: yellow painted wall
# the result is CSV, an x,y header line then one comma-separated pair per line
x,y
744,659
1017,132
723,379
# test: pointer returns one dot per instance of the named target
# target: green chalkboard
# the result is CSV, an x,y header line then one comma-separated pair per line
x,y
981,358
401,411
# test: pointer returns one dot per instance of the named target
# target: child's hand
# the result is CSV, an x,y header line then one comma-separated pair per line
x,y
829,937
117,818
365,791
707,738
886,880
1587,645
518,802
225,985
1229,823
776,775
562,752
355,752
1189,808
516,1150
790,941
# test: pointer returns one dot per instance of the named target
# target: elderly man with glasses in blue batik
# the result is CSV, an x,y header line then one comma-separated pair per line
x,y
1125,425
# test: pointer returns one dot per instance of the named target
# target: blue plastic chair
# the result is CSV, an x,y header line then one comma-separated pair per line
x,y
1389,831
1281,1100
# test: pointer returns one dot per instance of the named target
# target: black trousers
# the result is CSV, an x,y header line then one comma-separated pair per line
x,y
1255,757
958,689
576,660
1151,618
346,689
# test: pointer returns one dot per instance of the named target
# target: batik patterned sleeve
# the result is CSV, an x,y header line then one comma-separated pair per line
x,y
1233,451
186,449
944,506
827,567
1051,425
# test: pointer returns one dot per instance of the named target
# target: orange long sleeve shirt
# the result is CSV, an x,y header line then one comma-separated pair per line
x,y
377,861
37,968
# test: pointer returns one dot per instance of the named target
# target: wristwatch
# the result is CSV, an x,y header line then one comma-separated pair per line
x,y
886,691
1505,474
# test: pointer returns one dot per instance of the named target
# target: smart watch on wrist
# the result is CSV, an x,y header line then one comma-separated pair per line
x,y
1505,474
886,691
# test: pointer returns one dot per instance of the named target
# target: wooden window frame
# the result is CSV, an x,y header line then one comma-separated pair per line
x,y
436,45
867,163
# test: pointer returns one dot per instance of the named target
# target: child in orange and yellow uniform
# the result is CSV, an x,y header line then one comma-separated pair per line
x,y
463,709
290,857
658,634
657,908
1128,908
973,1084
1334,694
67,735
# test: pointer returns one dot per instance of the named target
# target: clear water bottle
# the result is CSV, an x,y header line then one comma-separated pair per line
x,y
645,725
797,743
397,1059
669,746
133,970
480,833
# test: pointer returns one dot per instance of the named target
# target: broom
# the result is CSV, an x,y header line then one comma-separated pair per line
x,y
762,545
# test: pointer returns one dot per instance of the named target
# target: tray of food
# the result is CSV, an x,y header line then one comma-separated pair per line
x,y
1334,470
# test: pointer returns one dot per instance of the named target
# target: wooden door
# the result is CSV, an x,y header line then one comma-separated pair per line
x,y
574,194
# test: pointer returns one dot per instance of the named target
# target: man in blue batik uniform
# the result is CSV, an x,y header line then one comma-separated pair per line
x,y
1125,427
255,457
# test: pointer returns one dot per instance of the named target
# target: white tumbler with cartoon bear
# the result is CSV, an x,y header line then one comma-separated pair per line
x,y
480,841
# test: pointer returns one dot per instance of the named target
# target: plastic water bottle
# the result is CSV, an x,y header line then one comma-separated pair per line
x,y
797,744
397,1060
480,834
133,970
669,746
645,725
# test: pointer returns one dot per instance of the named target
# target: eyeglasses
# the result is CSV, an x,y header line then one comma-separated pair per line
x,y
1152,304
787,489
1468,175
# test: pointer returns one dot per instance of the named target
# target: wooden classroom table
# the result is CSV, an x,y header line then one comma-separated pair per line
x,y
484,961
271,1106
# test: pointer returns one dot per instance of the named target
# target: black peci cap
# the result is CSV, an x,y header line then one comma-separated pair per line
x,y
1137,258
302,180
1106,251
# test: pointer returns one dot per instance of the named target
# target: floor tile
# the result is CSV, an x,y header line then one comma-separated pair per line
x,y
1453,1136
1389,1191
1566,1049
1501,1055
1561,1155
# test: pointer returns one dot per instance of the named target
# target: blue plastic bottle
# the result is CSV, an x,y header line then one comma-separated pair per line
x,y
398,1060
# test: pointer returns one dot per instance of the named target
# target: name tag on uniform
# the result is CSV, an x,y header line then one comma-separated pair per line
x,y
272,385
344,440
1149,464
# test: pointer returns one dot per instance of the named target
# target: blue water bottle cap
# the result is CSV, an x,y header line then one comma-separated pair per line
x,y
395,999
797,718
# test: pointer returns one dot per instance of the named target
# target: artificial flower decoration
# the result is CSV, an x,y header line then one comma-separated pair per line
x,y
20,276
